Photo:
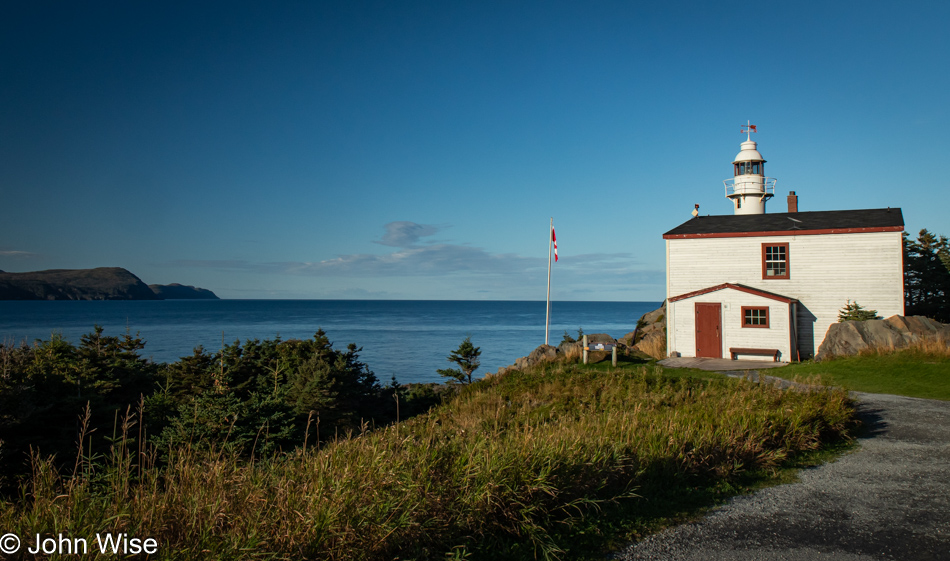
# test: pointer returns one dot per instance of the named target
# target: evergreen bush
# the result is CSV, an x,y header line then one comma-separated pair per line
x,y
853,311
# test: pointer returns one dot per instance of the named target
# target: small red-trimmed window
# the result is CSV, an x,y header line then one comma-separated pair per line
x,y
755,316
775,261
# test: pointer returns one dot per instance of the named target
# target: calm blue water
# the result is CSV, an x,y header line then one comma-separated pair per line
x,y
408,338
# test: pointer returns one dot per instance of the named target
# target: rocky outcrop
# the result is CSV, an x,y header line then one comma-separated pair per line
x,y
103,283
568,347
544,353
650,336
175,291
567,350
895,332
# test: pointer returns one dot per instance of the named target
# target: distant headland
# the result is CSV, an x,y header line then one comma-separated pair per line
x,y
175,291
102,283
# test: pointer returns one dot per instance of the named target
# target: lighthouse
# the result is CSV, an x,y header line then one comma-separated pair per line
x,y
749,188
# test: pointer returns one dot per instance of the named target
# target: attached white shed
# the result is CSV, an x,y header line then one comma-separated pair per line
x,y
733,320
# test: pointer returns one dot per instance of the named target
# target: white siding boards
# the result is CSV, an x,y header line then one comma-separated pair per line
x,y
733,299
831,258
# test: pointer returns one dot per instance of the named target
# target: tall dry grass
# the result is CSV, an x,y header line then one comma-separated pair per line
x,y
574,353
937,345
501,468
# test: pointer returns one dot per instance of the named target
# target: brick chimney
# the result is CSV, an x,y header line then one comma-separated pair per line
x,y
792,201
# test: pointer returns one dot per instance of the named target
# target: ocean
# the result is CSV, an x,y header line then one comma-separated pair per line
x,y
408,339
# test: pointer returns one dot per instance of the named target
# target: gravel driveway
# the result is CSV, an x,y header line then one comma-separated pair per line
x,y
889,499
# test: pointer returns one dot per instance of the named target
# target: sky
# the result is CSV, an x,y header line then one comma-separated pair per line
x,y
418,150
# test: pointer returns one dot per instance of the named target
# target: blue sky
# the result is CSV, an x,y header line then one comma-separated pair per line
x,y
418,149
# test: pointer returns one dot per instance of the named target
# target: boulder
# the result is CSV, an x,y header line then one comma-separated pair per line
x,y
650,320
566,346
544,353
896,332
916,325
597,356
600,338
650,336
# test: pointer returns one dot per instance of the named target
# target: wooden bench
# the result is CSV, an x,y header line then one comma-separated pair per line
x,y
736,351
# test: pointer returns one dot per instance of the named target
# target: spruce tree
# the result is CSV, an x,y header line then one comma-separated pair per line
x,y
856,312
467,358
927,276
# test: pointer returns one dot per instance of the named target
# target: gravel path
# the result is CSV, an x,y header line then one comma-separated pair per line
x,y
889,499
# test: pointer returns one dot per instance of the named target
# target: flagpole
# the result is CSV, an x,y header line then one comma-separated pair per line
x,y
547,315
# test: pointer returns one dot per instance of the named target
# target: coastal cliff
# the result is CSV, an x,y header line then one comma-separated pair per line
x,y
175,291
102,283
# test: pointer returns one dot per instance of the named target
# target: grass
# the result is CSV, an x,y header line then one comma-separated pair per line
x,y
632,364
922,371
553,463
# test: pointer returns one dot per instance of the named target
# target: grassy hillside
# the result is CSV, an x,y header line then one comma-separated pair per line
x,y
551,463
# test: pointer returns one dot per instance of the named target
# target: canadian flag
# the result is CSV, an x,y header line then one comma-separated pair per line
x,y
554,239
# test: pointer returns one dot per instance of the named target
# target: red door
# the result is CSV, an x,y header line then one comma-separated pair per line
x,y
708,330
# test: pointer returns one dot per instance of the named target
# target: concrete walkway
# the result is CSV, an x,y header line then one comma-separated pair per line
x,y
719,364
889,499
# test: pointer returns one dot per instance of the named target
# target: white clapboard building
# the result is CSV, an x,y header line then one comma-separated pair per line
x,y
754,284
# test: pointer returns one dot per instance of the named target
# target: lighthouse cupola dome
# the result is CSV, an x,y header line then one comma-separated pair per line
x,y
748,153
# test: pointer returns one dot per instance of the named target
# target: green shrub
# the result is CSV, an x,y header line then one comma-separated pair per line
x,y
254,398
855,312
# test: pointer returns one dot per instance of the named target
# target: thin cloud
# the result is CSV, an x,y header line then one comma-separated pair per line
x,y
444,260
225,264
432,260
588,258
14,253
406,234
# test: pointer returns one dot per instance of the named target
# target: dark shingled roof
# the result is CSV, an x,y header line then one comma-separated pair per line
x,y
832,221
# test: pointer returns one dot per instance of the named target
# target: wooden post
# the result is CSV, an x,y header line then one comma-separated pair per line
x,y
613,356
585,349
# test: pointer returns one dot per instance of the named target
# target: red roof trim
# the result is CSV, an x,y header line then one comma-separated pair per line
x,y
785,233
739,287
